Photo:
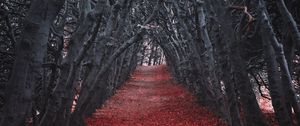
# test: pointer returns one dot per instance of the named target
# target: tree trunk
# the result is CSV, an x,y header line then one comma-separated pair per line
x,y
253,114
275,88
289,21
31,50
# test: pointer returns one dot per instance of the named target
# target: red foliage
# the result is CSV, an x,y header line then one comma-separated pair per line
x,y
150,98
269,113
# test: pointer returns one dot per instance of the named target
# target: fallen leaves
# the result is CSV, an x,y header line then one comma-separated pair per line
x,y
150,98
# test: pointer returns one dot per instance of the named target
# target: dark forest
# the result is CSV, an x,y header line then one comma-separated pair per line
x,y
64,61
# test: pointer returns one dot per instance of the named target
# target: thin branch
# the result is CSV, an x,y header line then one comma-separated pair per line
x,y
245,10
259,86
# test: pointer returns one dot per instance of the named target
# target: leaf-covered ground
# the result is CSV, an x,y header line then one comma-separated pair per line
x,y
150,98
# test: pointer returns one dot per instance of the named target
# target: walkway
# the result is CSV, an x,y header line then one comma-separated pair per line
x,y
150,98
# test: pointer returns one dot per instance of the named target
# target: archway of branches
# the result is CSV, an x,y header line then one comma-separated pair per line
x,y
62,59
151,53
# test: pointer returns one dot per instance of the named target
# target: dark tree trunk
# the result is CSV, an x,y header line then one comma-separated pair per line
x,y
253,114
275,88
31,50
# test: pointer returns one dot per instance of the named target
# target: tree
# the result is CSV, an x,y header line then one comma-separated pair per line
x,y
29,59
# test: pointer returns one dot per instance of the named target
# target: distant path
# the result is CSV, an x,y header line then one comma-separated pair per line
x,y
150,98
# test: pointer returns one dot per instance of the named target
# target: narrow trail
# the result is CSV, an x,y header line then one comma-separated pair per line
x,y
150,98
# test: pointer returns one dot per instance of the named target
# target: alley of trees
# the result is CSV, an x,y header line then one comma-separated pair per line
x,y
60,60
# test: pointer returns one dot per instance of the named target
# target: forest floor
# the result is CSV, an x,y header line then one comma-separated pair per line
x,y
151,98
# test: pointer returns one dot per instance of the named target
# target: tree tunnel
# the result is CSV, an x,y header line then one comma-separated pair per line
x,y
150,53
62,59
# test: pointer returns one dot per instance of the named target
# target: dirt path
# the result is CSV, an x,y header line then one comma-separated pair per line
x,y
150,98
